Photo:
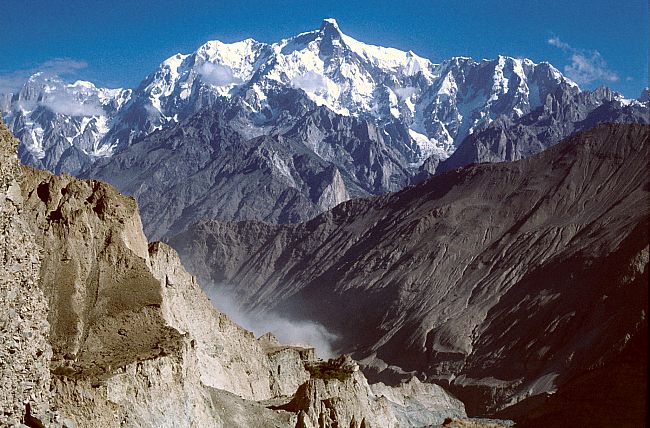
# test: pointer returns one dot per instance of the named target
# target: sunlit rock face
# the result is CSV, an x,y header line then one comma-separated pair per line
x,y
25,350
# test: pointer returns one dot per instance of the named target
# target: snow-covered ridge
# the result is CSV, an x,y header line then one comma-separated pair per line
x,y
439,104
332,68
49,112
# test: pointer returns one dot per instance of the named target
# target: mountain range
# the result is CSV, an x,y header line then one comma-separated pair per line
x,y
281,132
439,103
476,224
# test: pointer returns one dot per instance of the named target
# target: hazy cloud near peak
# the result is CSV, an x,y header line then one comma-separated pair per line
x,y
310,82
586,66
66,104
404,93
218,74
12,82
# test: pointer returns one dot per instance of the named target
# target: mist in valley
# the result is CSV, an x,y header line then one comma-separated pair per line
x,y
287,330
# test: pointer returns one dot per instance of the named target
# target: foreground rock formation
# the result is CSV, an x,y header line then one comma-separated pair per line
x,y
101,328
25,351
504,280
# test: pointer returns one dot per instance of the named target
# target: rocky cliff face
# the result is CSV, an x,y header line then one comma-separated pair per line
x,y
206,168
505,280
126,319
101,328
25,351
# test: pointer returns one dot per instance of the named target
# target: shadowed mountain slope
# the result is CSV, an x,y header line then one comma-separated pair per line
x,y
504,279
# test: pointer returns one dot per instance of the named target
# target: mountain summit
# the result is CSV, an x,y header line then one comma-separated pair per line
x,y
330,28
329,23
432,107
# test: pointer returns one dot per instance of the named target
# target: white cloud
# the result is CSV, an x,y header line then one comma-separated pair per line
x,y
68,105
586,66
12,82
218,74
555,41
404,93
310,82
586,69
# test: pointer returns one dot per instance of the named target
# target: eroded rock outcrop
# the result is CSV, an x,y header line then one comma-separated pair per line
x,y
287,365
338,395
127,320
133,340
104,329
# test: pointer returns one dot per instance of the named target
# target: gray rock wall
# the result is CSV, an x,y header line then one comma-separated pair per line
x,y
24,348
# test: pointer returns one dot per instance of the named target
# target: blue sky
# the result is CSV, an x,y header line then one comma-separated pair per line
x,y
118,42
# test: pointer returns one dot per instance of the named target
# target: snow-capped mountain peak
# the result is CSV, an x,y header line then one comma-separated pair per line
x,y
437,105
237,59
344,74
51,116
329,23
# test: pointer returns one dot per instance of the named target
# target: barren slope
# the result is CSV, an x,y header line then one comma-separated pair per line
x,y
507,279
